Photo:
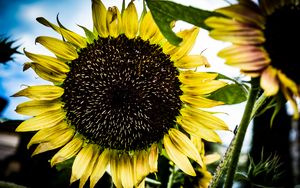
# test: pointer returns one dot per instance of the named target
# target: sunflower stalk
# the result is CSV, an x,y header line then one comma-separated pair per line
x,y
222,167
241,132
231,156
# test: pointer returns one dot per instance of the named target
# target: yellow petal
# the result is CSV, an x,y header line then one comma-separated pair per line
x,y
72,37
41,92
81,162
115,169
211,158
189,39
192,77
177,157
157,38
86,174
288,83
45,73
200,102
185,145
47,134
153,158
99,18
289,96
141,166
68,151
130,21
58,47
269,81
99,168
48,62
191,61
197,141
148,27
44,120
114,21
36,107
59,140
202,88
142,184
126,171
205,119
194,129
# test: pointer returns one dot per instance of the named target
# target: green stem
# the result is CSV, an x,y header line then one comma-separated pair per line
x,y
171,177
241,134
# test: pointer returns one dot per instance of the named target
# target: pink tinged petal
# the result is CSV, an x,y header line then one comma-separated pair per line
x,y
247,58
244,14
269,81
240,53
226,24
244,37
252,74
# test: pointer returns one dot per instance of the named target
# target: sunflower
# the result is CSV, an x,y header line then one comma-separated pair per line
x,y
120,96
263,37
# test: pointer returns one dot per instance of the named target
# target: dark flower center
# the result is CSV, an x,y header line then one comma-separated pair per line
x,y
282,40
122,93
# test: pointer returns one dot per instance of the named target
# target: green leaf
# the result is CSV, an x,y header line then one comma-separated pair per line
x,y
230,94
65,164
164,12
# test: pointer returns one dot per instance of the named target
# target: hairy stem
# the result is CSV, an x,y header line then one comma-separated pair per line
x,y
239,139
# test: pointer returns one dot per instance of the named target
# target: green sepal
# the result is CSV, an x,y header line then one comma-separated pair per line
x,y
90,37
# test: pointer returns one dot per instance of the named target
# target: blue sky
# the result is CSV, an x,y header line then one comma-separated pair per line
x,y
17,20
